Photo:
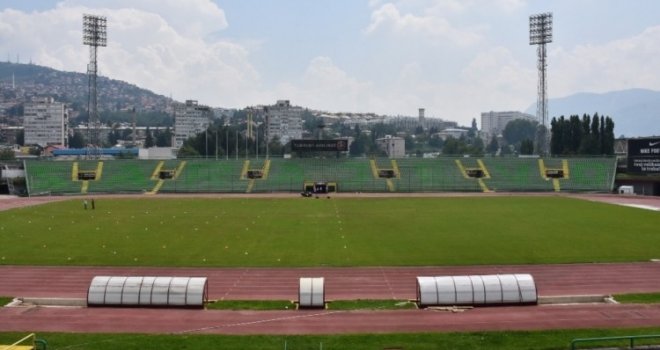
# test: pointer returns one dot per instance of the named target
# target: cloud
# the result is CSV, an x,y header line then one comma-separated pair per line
x,y
620,64
326,86
493,80
388,17
509,5
166,50
454,7
499,81
189,18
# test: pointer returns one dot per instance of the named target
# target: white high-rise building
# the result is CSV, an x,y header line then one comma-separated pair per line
x,y
45,122
284,121
189,120
493,123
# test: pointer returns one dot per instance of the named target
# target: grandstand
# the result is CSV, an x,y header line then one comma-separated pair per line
x,y
446,174
433,175
515,174
205,176
590,174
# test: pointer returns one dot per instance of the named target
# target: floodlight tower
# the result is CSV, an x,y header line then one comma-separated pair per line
x,y
94,35
540,33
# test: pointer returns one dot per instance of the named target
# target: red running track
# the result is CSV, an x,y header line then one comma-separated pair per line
x,y
117,320
342,283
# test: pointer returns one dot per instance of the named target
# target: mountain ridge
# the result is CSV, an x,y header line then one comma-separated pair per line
x,y
21,81
635,111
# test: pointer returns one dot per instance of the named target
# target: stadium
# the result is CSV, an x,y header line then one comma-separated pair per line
x,y
375,231
112,237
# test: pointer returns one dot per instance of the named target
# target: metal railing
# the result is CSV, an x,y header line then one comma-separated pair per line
x,y
37,344
630,338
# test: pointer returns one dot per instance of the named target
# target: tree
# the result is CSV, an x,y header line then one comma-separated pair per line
x,y
126,133
583,136
475,146
540,140
454,146
381,130
275,146
493,146
519,129
451,146
358,147
557,128
310,122
113,136
149,139
595,131
608,136
473,129
526,146
342,129
586,125
187,151
164,139
576,134
589,145
410,143
506,149
76,140
7,154
434,142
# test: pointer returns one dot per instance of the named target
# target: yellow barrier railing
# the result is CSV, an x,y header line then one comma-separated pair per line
x,y
374,168
154,175
16,345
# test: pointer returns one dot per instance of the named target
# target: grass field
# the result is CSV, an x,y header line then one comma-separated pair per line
x,y
540,340
638,298
330,232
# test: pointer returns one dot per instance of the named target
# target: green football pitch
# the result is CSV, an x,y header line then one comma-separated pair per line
x,y
327,232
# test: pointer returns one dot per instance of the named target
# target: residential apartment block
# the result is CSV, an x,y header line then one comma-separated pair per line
x,y
45,122
190,119
283,121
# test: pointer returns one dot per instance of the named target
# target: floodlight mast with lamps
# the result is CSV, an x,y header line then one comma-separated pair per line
x,y
540,33
94,35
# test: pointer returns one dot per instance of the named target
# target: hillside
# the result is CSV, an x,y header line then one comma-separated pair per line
x,y
72,87
635,112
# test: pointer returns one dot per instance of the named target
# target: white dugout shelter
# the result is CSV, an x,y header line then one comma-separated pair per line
x,y
311,292
476,290
148,291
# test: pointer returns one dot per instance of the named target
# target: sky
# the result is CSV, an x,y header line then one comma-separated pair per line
x,y
455,58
